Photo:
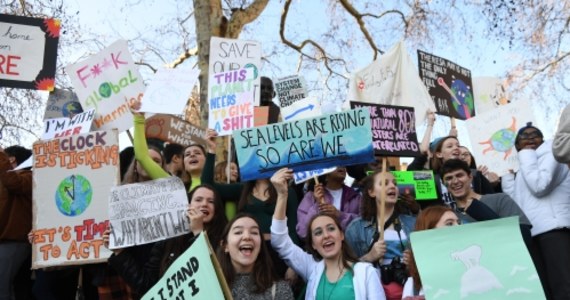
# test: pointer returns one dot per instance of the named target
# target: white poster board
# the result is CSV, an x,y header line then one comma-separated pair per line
x,y
59,127
393,80
72,179
108,81
492,135
169,91
146,212
233,84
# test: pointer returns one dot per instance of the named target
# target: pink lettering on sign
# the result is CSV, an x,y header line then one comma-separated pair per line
x,y
95,70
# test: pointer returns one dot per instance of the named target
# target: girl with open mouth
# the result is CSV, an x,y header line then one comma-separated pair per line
x,y
246,262
388,254
330,268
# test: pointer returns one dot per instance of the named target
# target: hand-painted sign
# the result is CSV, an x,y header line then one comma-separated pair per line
x,y
191,276
418,183
393,129
28,52
146,212
62,104
392,80
492,135
60,127
72,179
174,130
233,84
482,260
335,139
109,82
169,91
449,84
489,94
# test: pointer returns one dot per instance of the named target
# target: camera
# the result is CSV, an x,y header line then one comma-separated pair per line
x,y
394,272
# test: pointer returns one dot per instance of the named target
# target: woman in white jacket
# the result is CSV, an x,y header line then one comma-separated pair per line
x,y
330,270
541,188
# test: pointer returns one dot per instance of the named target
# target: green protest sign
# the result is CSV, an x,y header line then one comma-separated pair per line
x,y
191,276
420,183
482,260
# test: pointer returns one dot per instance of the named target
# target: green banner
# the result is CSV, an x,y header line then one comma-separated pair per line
x,y
420,183
191,276
482,260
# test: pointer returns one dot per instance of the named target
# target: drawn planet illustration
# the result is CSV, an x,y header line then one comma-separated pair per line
x,y
73,195
71,108
502,140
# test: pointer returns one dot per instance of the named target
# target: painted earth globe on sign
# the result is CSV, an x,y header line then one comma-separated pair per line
x,y
71,108
73,195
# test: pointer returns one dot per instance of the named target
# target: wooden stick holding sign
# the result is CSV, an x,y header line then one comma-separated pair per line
x,y
382,198
130,137
321,200
229,161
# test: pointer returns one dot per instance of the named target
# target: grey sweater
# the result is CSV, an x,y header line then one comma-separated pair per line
x,y
243,285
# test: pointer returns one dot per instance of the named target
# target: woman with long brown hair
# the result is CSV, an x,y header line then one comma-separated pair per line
x,y
246,263
205,211
330,262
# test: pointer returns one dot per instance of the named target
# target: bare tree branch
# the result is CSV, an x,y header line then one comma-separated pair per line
x,y
241,17
299,48
358,16
184,56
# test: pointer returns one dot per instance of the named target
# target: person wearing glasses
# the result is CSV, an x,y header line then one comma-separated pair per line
x,y
541,188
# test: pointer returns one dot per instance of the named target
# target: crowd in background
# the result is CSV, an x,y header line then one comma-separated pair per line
x,y
322,239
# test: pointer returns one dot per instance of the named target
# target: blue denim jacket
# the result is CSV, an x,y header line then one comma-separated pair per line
x,y
359,233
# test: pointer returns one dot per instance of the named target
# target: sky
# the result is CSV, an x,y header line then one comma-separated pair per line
x,y
105,18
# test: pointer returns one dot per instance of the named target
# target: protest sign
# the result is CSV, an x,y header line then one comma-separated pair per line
x,y
233,84
290,89
335,139
418,183
146,212
108,81
482,260
492,135
72,179
392,80
393,129
169,91
28,52
305,108
489,94
62,104
260,115
449,84
301,177
59,127
191,276
174,130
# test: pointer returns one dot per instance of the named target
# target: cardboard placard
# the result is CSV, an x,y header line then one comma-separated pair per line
x,y
335,139
146,212
72,179
108,81
418,183
174,130
449,84
393,129
233,84
28,52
